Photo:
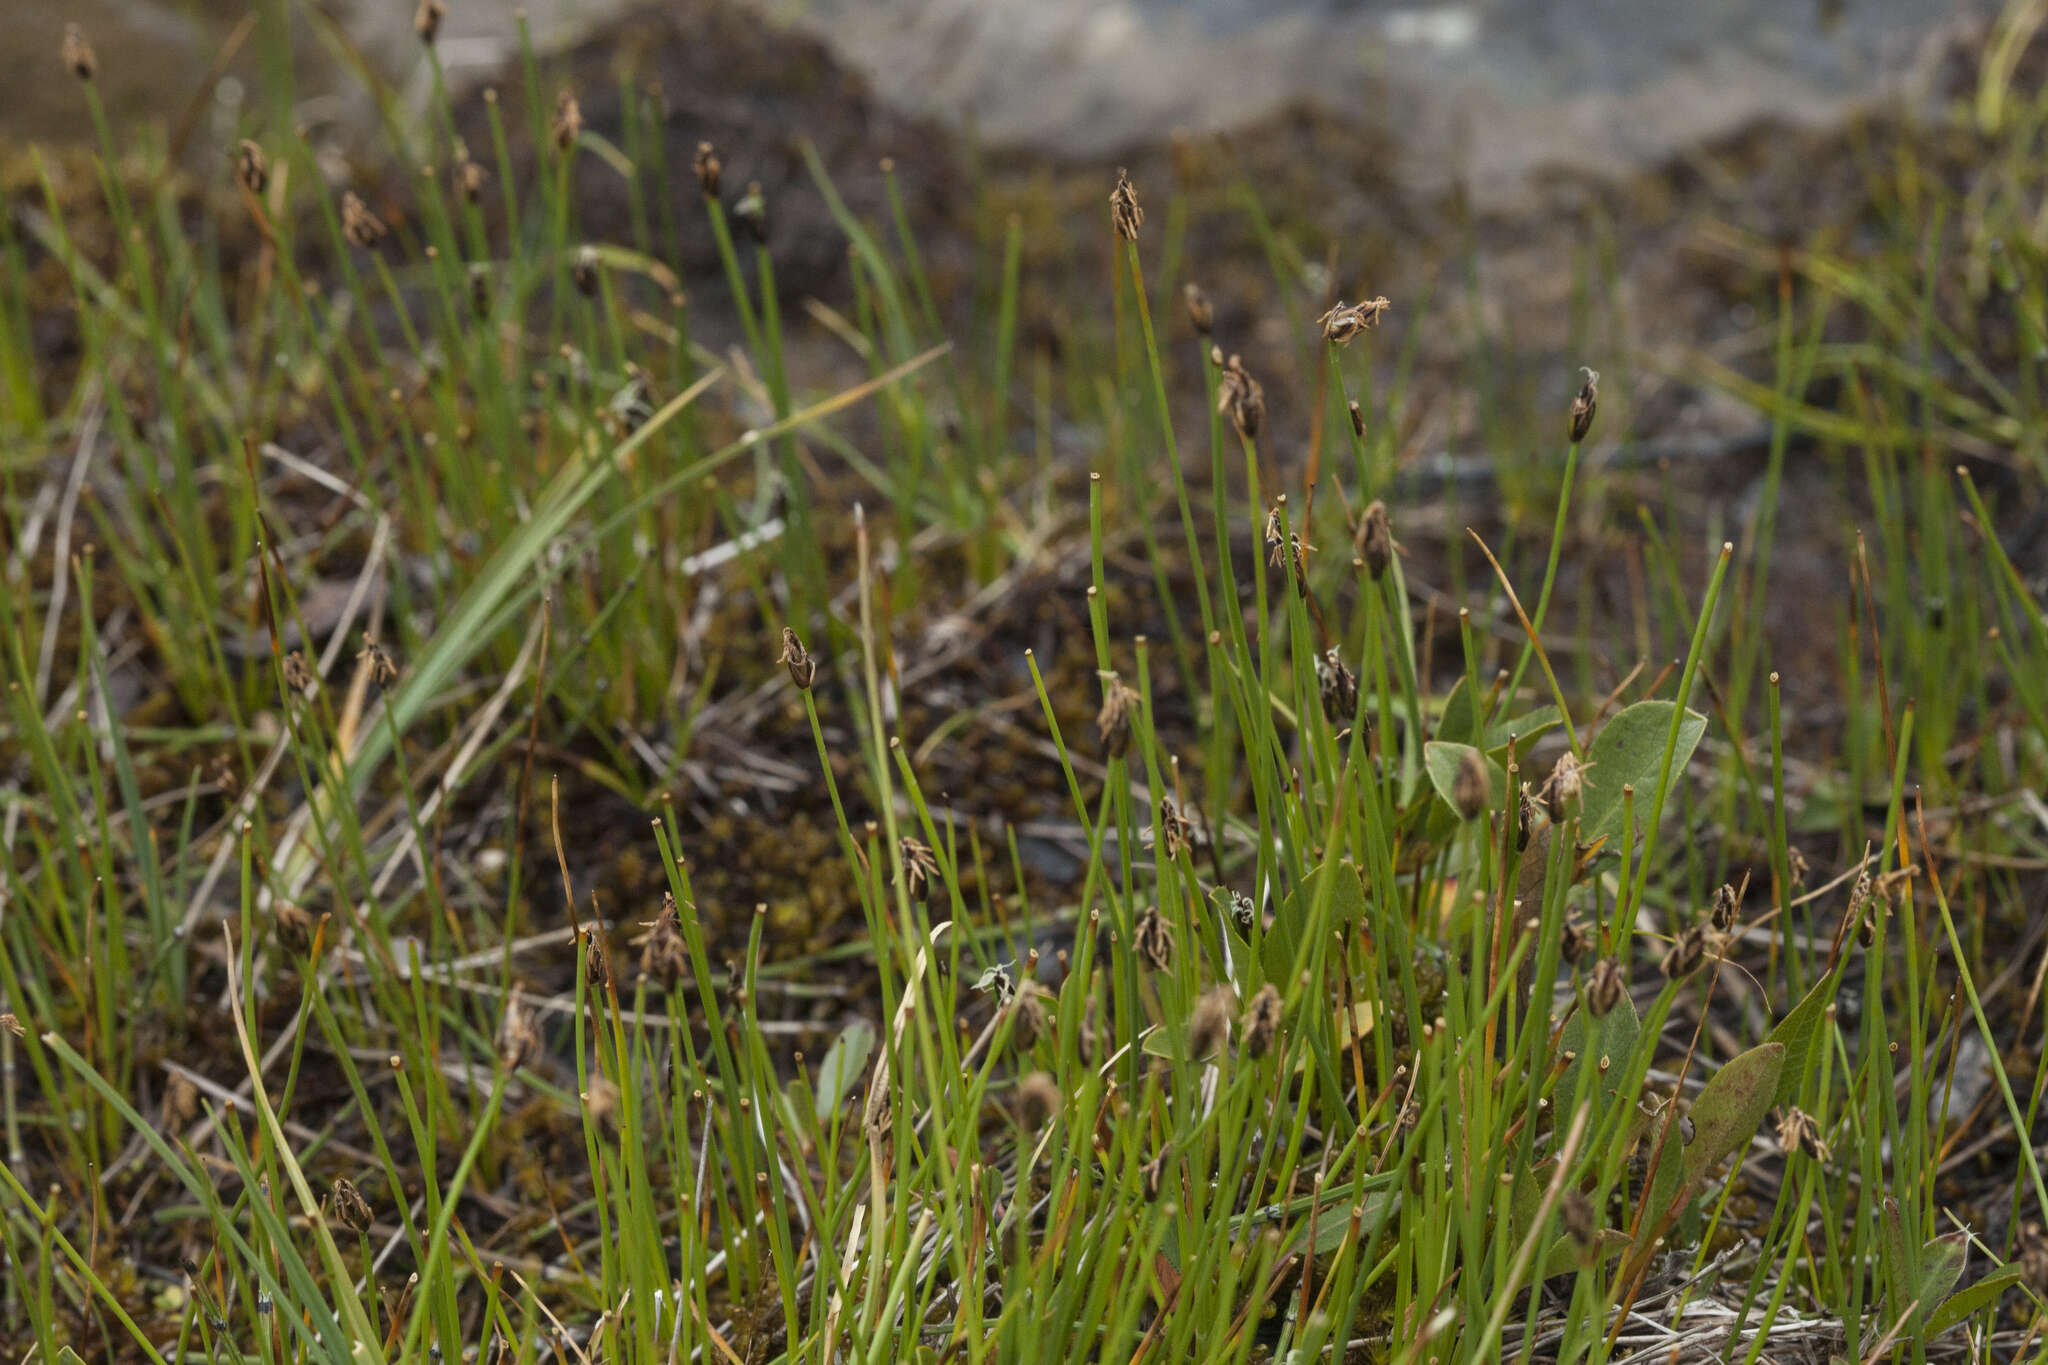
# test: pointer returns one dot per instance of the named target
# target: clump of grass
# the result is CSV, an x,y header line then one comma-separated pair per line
x,y
1392,1009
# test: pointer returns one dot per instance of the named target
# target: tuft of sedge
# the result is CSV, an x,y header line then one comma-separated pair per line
x,y
1686,953
79,58
518,1039
584,271
426,20
664,952
1472,789
1607,989
1124,210
1120,702
568,121
251,170
1209,1023
803,669
1201,313
1584,405
1241,398
1376,539
751,213
1153,940
1262,1022
708,168
361,227
1038,1100
1347,320
1797,1132
351,1210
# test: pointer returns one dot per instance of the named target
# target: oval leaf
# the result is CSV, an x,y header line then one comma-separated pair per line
x,y
1630,752
1732,1107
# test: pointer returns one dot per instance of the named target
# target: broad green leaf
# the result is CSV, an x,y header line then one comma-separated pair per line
x,y
1443,759
1891,1255
1460,718
1566,1256
1798,1030
1941,1265
1973,1300
843,1064
1524,729
1629,751
1732,1107
1613,1037
1346,907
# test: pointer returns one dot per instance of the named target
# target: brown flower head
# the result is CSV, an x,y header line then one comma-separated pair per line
x,y
664,952
1564,787
295,926
1209,1024
1153,940
383,672
803,669
1201,314
1727,908
1357,417
568,121
1576,1213
1472,789
1240,398
1584,405
1347,320
1113,722
299,675
708,168
1124,210
1607,989
351,1210
1262,1022
11,1022
920,867
1376,539
1797,1132
1177,830
1038,1100
1338,686
360,226
250,168
426,20
518,1040
1686,953
79,58
1576,941
471,178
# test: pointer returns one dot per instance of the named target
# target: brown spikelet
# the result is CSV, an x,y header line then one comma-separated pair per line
x,y
426,20
1347,320
1376,539
1576,1213
1576,943
1584,406
803,669
1038,1100
1240,398
1607,989
518,1038
584,271
1473,787
1124,209
1797,1132
1209,1023
372,656
1262,1022
708,168
1113,722
360,226
11,1022
1727,908
79,58
295,927
1357,417
1564,787
471,179
1686,953
250,168
1338,687
1153,940
1201,313
351,1210
568,121
750,214
664,952
920,867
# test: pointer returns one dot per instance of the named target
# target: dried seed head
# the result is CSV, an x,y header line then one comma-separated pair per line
x,y
584,271
1797,1132
1124,210
1564,787
1034,1020
471,178
383,672
1262,1022
1201,314
751,213
803,669
1727,908
1178,830
1584,405
360,226
1607,989
518,1037
78,55
1525,819
1347,320
1473,788
708,168
1338,686
295,926
1038,1100
250,168
1113,721
1376,539
1153,940
12,1023
597,960
1795,863
1576,1213
1209,1024
1686,953
1357,417
426,20
1860,912
298,675
920,867
664,952
351,1210
1576,942
1240,398
568,121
